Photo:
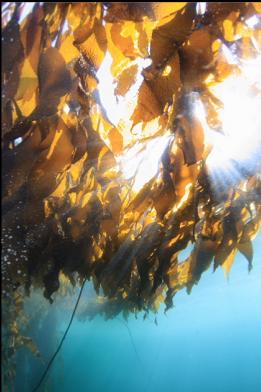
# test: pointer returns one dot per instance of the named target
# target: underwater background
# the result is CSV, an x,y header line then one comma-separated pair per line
x,y
209,341
129,131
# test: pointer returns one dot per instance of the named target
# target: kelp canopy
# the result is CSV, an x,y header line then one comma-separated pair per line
x,y
117,201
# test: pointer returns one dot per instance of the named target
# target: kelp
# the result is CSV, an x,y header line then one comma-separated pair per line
x,y
15,335
66,204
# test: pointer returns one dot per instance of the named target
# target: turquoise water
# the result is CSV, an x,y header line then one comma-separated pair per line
x,y
210,342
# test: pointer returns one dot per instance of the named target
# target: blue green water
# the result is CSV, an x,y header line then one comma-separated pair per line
x,y
210,342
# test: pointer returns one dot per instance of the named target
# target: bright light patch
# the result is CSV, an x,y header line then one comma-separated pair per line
x,y
166,71
240,115
26,10
236,150
66,108
201,8
200,112
54,41
122,107
141,162
253,21
18,141
220,163
65,27
106,89
252,72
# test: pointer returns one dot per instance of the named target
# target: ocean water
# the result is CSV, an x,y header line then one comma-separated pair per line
x,y
209,342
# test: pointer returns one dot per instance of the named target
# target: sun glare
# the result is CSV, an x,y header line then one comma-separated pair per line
x,y
239,144
240,115
236,146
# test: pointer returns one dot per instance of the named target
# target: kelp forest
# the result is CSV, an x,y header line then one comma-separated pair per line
x,y
130,132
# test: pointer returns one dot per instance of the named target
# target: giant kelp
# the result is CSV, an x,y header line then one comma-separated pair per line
x,y
66,204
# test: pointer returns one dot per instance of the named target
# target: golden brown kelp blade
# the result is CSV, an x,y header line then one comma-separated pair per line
x,y
65,200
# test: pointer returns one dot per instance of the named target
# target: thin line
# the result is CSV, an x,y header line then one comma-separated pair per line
x,y
63,338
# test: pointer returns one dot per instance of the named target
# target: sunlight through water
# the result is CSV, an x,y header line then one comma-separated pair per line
x,y
141,161
122,107
237,148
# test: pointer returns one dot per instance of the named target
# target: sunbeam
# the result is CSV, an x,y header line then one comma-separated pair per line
x,y
236,149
